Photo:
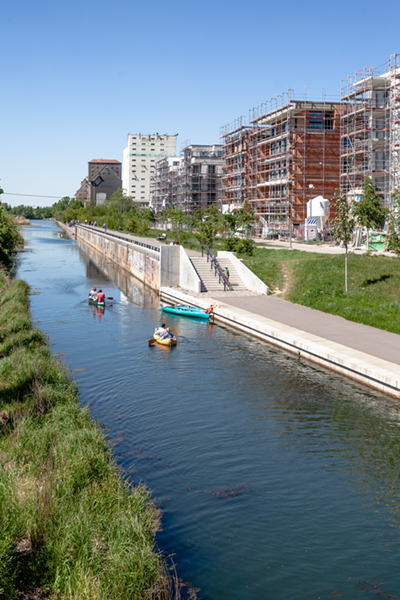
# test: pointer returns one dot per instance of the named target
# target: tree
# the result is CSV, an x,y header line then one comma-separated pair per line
x,y
342,225
369,211
209,226
9,236
392,240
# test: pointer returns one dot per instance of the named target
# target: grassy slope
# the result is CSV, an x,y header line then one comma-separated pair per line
x,y
69,524
317,281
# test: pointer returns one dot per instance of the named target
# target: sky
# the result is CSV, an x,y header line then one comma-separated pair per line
x,y
78,76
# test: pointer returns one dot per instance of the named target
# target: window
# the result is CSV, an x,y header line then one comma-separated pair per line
x,y
315,123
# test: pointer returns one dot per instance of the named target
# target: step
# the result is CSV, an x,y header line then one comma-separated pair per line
x,y
210,281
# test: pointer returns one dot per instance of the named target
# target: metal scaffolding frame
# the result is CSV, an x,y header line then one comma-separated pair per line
x,y
370,124
287,145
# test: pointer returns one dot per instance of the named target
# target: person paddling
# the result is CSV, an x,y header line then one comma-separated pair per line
x,y
160,331
92,293
100,296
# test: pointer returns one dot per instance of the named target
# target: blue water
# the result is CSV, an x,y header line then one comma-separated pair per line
x,y
278,480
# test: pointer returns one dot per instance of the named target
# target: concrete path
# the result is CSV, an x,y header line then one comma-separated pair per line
x,y
363,338
320,248
365,354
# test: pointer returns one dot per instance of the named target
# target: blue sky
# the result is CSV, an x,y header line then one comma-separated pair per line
x,y
77,77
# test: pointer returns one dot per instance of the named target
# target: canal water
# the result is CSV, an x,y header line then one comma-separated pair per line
x,y
278,480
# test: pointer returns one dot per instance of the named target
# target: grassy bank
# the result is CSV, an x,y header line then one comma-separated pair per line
x,y
69,525
317,281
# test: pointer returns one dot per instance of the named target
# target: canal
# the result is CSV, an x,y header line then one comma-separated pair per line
x,y
277,480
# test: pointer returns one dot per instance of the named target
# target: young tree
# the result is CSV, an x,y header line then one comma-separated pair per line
x,y
209,226
369,211
392,240
342,225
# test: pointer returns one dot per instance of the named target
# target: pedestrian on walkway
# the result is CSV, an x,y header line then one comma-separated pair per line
x,y
227,274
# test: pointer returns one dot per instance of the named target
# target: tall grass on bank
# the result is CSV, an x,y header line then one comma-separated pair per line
x,y
317,281
70,526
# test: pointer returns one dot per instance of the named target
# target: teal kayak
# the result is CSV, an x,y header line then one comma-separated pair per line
x,y
187,311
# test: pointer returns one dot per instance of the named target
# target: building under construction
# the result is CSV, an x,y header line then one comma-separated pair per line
x,y
288,152
165,183
370,127
192,181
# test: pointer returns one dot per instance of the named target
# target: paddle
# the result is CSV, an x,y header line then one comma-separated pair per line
x,y
109,298
175,330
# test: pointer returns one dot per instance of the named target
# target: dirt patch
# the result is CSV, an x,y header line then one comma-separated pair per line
x,y
286,282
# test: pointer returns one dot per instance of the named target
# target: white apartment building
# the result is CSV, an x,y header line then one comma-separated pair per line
x,y
139,160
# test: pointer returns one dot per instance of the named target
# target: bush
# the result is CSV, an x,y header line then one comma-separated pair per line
x,y
242,247
9,236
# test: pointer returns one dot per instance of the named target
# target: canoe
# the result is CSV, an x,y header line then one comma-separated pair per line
x,y
168,342
95,303
187,311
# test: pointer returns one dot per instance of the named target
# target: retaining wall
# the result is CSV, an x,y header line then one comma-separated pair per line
x,y
140,260
363,368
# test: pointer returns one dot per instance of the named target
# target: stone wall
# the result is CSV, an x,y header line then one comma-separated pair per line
x,y
140,261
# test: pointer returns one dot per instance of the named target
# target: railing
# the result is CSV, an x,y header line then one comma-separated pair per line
x,y
116,235
217,269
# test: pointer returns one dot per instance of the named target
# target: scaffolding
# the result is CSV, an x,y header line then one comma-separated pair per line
x,y
236,137
191,181
289,152
200,177
370,138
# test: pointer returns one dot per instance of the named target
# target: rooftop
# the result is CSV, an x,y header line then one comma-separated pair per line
x,y
103,160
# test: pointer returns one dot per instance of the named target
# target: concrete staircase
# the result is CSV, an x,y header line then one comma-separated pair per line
x,y
210,281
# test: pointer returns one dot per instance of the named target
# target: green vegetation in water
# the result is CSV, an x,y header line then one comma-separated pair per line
x,y
317,281
70,526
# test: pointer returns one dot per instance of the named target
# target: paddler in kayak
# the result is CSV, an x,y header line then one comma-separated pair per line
x,y
100,296
93,294
160,331
167,335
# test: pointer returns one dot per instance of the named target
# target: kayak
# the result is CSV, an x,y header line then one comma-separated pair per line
x,y
186,310
95,303
168,342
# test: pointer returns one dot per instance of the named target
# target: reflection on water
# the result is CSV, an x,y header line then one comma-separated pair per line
x,y
97,266
278,480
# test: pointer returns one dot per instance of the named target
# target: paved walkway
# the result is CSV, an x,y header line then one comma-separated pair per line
x,y
320,248
363,338
368,355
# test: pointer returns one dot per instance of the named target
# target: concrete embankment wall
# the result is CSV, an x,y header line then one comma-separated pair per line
x,y
369,370
140,260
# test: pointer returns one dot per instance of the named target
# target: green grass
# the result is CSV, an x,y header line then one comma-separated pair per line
x,y
317,281
69,523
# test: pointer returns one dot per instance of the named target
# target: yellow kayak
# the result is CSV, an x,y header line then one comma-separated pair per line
x,y
168,342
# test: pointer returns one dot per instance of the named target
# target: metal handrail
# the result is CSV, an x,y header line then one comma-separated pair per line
x,y
121,237
217,269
